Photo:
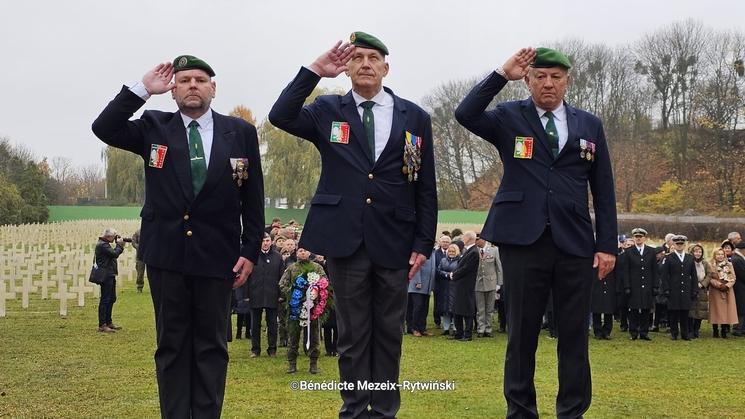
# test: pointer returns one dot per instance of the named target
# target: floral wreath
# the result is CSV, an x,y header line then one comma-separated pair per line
x,y
310,297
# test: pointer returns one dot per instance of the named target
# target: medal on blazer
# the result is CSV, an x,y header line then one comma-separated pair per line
x,y
587,150
523,148
412,157
339,132
157,155
240,170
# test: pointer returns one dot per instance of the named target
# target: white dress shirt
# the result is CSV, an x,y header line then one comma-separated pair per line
x,y
560,119
206,125
383,115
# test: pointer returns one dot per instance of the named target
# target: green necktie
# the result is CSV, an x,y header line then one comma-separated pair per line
x,y
196,154
553,134
368,121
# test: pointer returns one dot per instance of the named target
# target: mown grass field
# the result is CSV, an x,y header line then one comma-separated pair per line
x,y
80,212
53,367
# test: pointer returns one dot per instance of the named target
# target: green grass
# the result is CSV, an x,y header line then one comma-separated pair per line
x,y
81,212
53,367
67,213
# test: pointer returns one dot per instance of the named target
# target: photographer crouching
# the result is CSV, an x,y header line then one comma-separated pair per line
x,y
106,257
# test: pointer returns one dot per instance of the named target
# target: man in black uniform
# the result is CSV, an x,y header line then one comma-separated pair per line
x,y
541,222
374,212
638,273
680,285
263,297
203,181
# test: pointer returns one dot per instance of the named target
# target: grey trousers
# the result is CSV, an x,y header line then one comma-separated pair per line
x,y
484,309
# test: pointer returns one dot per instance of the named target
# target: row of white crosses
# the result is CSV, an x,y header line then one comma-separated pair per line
x,y
39,261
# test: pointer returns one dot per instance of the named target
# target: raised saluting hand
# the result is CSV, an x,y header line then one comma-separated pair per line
x,y
334,61
517,66
159,80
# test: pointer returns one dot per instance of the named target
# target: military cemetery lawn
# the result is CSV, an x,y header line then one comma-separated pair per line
x,y
54,363
82,212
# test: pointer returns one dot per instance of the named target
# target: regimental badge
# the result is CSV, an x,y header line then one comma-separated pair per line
x,y
240,169
352,37
182,61
587,150
157,155
339,132
412,157
523,148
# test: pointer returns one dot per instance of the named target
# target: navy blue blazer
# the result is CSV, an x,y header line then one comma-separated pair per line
x,y
195,235
540,190
357,201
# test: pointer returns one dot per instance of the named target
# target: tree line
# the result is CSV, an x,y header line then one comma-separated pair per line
x,y
671,102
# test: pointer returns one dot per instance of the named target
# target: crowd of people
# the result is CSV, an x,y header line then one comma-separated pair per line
x,y
673,288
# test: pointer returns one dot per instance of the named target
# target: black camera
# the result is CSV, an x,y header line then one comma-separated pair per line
x,y
125,239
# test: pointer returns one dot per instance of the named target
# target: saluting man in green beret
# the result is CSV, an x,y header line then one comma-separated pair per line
x,y
551,152
202,224
374,212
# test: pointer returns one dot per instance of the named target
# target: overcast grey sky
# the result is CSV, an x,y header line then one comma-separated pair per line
x,y
62,61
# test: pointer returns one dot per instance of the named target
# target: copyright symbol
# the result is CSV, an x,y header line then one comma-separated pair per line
x,y
294,385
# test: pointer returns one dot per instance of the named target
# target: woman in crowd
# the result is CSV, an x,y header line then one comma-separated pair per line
x,y
700,309
447,296
722,308
728,248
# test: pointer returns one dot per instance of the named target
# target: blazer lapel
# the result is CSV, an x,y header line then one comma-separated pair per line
x,y
531,115
359,137
222,143
397,128
179,154
572,124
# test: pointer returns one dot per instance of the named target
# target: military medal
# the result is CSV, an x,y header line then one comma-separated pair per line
x,y
240,170
412,157
339,132
523,148
157,155
588,150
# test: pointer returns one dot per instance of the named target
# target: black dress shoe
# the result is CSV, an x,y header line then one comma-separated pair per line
x,y
464,340
633,337
446,333
606,337
480,335
487,335
598,337
674,337
645,337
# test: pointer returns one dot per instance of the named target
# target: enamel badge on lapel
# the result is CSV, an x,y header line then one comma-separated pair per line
x,y
587,150
412,157
240,170
157,155
339,132
523,148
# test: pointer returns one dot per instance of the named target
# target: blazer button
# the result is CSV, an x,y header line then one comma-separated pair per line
x,y
186,216
189,233
370,176
642,286
368,200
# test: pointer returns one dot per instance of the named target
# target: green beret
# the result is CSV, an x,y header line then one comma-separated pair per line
x,y
189,62
365,40
547,57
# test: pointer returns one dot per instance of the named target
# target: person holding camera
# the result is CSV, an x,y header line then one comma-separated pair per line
x,y
106,259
